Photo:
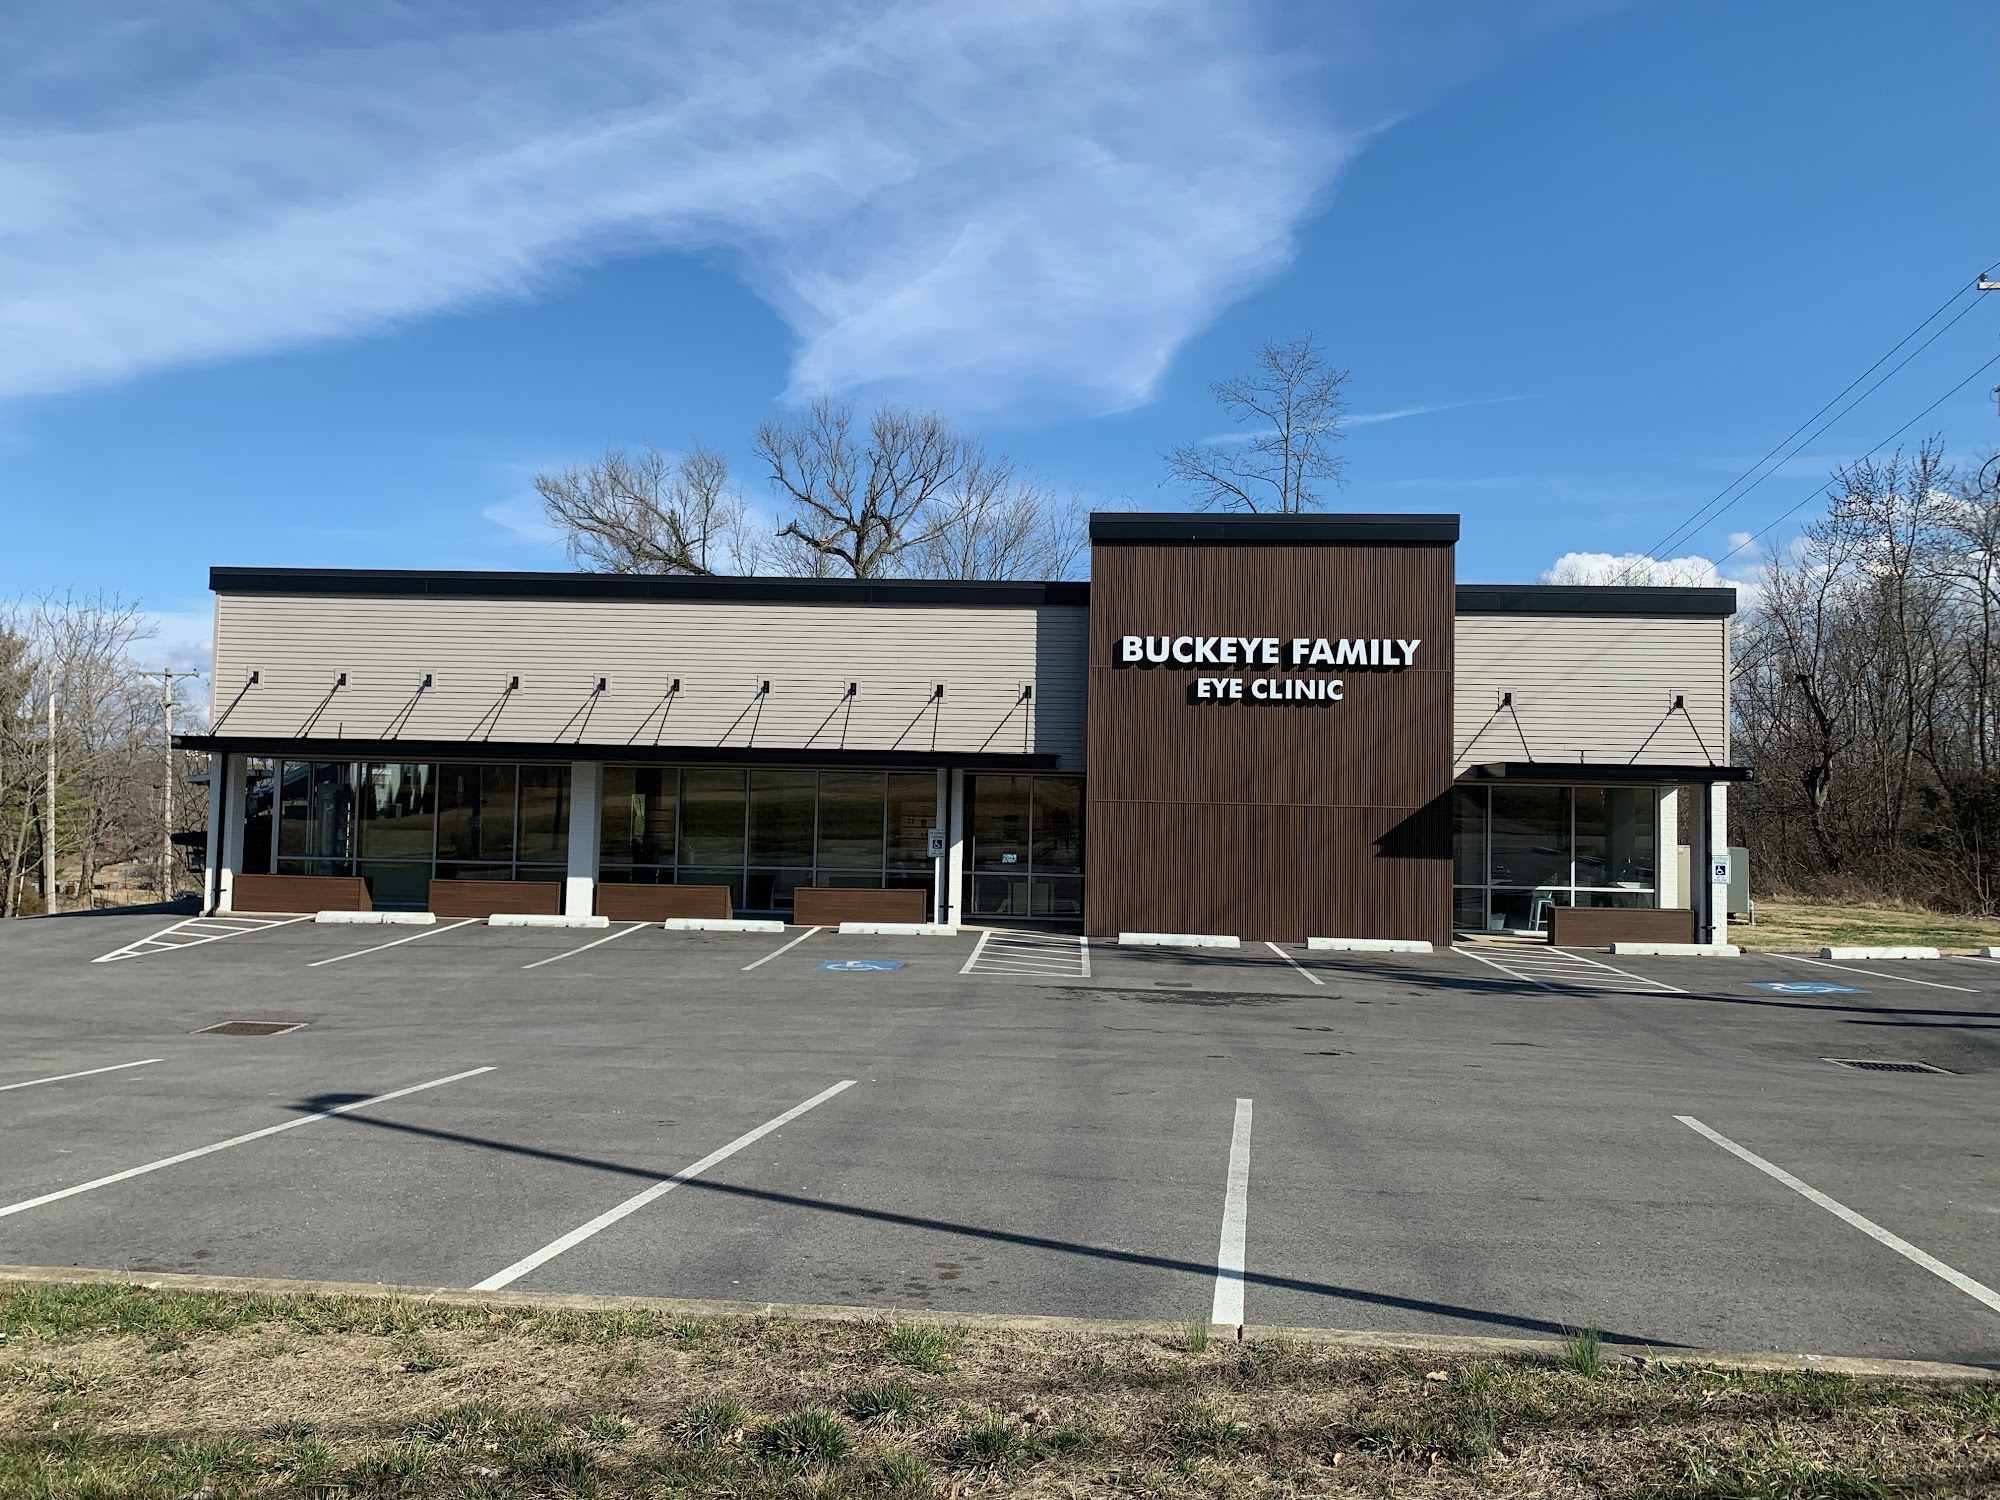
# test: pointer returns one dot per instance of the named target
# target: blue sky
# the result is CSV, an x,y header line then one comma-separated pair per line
x,y
325,284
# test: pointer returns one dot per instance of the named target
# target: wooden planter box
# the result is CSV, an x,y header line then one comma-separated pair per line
x,y
829,906
1601,926
482,898
299,893
656,903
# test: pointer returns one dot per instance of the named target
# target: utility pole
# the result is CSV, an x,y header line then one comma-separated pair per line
x,y
49,805
167,676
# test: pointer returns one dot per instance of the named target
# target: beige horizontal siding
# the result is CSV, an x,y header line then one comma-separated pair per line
x,y
1591,688
299,645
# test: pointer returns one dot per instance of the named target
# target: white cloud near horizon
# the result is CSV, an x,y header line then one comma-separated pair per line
x,y
971,201
1739,571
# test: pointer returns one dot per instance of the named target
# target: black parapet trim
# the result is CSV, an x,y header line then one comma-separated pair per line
x,y
678,755
1184,526
1572,599
408,583
1573,773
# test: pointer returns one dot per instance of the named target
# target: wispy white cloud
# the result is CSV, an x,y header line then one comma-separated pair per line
x,y
1369,418
970,200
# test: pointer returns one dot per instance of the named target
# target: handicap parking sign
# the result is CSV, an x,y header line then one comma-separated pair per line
x,y
1808,987
863,965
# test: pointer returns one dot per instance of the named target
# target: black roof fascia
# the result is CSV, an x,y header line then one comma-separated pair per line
x,y
1185,526
1573,773
685,755
1573,599
404,583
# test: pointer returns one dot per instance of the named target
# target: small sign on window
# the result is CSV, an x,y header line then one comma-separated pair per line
x,y
936,843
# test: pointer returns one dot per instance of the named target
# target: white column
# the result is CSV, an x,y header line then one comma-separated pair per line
x,y
954,864
1717,796
1667,846
586,819
941,818
211,859
235,806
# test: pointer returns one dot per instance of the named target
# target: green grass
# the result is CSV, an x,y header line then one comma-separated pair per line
x,y
895,1400
371,1400
1583,1352
804,1438
924,1346
1194,1336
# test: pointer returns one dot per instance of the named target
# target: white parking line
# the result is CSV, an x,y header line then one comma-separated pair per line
x,y
595,943
1047,955
192,933
1227,1307
1296,964
413,937
235,1140
1559,969
1978,1291
1820,963
86,1073
787,948
639,1200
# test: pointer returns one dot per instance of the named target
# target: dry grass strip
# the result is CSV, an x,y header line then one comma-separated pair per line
x,y
1790,926
115,1390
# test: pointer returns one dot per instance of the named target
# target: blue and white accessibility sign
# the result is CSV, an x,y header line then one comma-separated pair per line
x,y
1808,987
863,965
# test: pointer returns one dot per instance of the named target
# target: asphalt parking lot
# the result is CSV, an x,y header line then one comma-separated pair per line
x,y
1490,1141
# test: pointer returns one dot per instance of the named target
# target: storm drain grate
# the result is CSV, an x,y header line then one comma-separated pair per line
x,y
1884,1065
251,1028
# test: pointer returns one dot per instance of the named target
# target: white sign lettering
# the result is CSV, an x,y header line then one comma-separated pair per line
x,y
1253,650
1300,652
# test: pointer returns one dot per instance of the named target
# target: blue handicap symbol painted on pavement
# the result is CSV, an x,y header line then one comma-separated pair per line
x,y
1808,987
863,965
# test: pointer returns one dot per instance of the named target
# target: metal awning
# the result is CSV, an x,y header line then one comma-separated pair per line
x,y
1573,773
679,755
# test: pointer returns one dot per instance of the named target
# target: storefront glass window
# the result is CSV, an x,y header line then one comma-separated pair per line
x,y
1530,836
781,818
260,816
397,813
1615,828
315,811
852,809
1519,851
1027,847
1468,835
712,818
997,809
543,818
1058,825
641,814
476,812
913,813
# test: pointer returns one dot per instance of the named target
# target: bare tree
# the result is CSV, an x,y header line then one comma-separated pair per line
x,y
859,502
111,759
1864,693
1290,410
1003,524
646,512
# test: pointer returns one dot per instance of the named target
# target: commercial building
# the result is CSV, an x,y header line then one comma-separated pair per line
x,y
1276,727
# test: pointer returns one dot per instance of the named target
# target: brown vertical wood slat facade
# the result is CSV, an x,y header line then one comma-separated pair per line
x,y
1271,820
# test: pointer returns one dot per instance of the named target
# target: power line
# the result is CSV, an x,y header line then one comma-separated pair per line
x,y
1995,360
1716,506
